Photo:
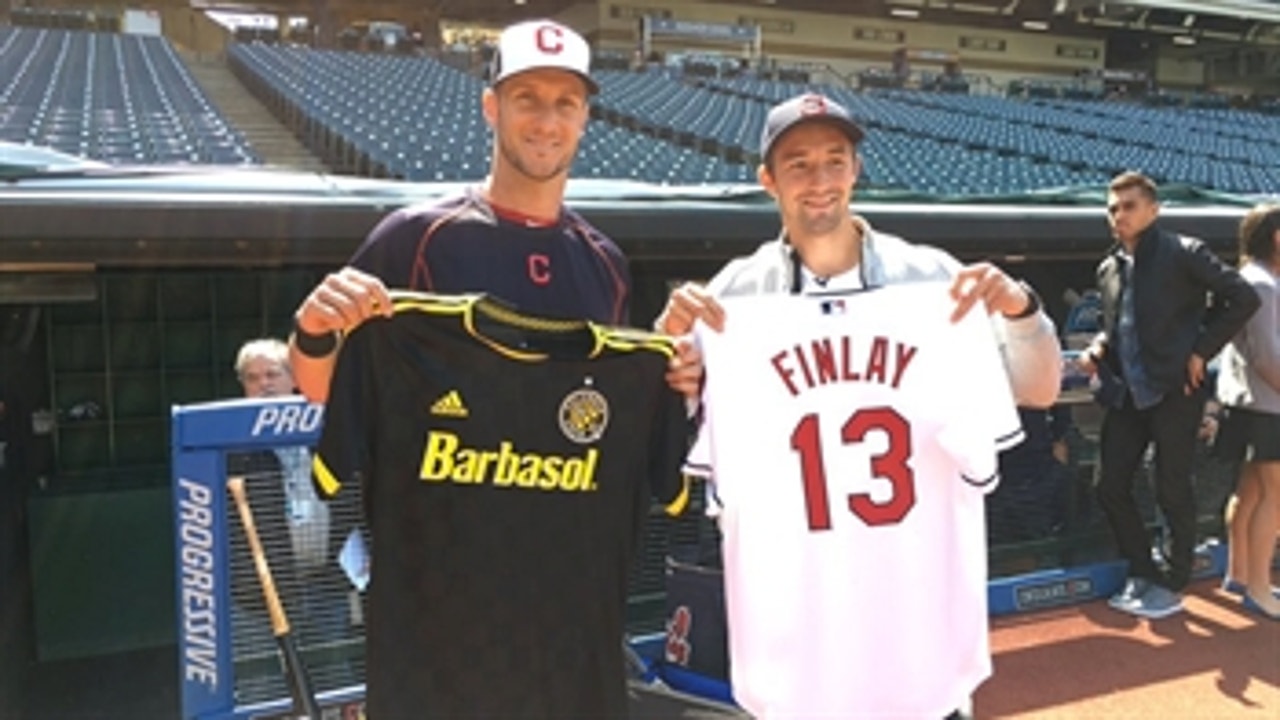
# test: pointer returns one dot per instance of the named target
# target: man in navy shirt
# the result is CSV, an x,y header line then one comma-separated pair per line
x,y
511,237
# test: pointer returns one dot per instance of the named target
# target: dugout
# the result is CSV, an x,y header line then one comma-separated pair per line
x,y
120,299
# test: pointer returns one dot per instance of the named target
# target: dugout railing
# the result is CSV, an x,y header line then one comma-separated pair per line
x,y
227,660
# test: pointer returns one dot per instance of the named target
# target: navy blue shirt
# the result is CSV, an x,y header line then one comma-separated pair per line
x,y
464,245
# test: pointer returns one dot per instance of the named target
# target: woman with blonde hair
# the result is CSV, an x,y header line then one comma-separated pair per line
x,y
1249,388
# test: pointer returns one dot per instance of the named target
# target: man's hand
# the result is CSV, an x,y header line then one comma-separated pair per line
x,y
1088,359
688,304
988,283
1195,373
684,373
342,301
1061,451
1208,428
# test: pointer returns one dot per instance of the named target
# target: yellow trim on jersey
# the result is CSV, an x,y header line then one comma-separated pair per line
x,y
619,339
677,506
406,300
328,482
629,340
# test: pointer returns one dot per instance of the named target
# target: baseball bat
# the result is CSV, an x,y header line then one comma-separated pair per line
x,y
296,676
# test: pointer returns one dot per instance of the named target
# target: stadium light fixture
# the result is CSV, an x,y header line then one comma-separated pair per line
x,y
1183,40
1037,25
972,8
908,13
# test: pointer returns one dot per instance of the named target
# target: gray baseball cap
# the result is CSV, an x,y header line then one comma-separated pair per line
x,y
807,108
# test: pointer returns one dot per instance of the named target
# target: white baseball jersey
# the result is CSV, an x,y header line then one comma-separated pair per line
x,y
851,440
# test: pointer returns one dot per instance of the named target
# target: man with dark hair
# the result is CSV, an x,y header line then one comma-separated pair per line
x,y
1158,331
485,599
810,165
801,610
511,236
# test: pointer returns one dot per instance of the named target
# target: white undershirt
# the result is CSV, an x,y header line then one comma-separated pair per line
x,y
811,284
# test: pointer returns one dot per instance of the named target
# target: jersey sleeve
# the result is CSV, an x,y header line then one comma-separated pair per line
x,y
699,461
698,464
343,453
981,417
700,458
670,440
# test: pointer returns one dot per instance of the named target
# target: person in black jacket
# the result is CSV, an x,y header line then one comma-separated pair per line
x,y
1168,306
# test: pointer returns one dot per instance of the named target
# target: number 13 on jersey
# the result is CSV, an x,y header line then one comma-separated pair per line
x,y
891,466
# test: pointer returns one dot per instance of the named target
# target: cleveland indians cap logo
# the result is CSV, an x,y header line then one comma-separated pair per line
x,y
549,39
678,648
813,105
584,414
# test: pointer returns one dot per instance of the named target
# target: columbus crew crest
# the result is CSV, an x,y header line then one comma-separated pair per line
x,y
584,414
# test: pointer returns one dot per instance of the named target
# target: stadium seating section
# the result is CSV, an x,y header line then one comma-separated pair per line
x,y
129,99
111,97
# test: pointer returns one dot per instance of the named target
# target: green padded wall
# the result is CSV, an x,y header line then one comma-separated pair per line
x,y
103,572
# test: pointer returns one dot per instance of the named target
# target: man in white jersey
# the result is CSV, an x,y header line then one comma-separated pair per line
x,y
845,476
810,165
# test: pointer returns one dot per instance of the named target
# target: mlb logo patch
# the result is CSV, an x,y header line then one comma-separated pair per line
x,y
832,307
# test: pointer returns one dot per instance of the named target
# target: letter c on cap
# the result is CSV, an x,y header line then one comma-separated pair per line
x,y
548,39
813,105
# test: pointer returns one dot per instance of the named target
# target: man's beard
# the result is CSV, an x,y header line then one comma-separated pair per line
x,y
514,160
819,224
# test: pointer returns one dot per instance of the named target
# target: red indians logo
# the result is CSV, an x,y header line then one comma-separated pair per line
x,y
549,40
678,648
813,105
539,269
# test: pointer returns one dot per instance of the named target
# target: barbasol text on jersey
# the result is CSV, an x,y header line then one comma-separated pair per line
x,y
444,458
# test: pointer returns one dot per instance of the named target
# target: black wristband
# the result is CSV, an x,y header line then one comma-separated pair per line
x,y
314,346
1033,303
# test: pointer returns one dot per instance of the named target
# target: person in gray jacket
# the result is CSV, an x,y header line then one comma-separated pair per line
x,y
1249,389
810,164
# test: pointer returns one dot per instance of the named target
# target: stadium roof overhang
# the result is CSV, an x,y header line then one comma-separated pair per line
x,y
479,11
1227,20
188,217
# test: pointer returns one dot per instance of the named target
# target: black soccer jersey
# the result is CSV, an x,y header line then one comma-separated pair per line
x,y
463,244
507,464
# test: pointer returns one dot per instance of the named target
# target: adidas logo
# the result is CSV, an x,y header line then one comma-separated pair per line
x,y
449,405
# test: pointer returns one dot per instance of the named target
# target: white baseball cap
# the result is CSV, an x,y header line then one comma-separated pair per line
x,y
537,44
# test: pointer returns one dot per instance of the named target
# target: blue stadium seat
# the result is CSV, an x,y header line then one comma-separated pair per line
x,y
111,97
